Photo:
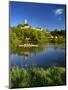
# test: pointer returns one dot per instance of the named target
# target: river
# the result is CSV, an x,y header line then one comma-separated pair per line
x,y
44,56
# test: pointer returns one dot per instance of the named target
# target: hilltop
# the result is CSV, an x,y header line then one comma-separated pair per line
x,y
24,33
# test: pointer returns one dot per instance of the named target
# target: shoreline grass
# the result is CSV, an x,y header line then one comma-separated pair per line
x,y
36,77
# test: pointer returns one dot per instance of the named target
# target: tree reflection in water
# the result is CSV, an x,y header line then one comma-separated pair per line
x,y
25,52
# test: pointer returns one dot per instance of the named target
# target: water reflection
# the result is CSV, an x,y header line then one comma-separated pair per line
x,y
26,51
42,56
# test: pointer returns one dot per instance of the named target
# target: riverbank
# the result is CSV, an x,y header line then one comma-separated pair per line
x,y
28,45
35,77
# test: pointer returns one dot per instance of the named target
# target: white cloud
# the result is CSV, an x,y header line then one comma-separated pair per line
x,y
58,11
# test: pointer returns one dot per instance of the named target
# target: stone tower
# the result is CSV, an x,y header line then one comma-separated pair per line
x,y
25,22
25,25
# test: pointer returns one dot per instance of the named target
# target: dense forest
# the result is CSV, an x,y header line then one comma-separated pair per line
x,y
20,35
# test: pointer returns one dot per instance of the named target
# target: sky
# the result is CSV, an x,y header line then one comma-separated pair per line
x,y
46,16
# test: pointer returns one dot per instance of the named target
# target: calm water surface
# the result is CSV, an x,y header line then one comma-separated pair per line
x,y
43,56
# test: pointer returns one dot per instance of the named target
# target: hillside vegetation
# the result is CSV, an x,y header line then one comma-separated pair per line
x,y
34,36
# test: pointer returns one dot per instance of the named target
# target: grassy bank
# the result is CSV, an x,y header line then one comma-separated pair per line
x,y
25,77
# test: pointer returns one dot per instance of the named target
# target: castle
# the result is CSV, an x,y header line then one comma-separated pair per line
x,y
25,25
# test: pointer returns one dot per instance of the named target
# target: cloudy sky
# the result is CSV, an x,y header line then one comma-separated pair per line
x,y
47,16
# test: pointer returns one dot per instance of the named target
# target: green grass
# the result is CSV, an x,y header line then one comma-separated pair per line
x,y
25,77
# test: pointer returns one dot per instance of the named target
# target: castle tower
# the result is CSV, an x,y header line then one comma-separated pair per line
x,y
25,22
25,25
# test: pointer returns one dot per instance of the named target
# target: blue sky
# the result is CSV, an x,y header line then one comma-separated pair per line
x,y
46,16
